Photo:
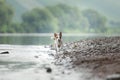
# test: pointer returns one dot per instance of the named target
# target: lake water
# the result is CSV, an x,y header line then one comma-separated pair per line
x,y
42,39
28,58
31,39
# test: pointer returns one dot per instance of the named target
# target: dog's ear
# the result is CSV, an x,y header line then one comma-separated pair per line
x,y
55,35
60,34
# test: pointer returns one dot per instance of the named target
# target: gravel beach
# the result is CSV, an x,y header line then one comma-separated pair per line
x,y
100,55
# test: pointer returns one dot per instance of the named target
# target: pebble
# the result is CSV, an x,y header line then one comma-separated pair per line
x,y
113,77
48,70
36,56
6,52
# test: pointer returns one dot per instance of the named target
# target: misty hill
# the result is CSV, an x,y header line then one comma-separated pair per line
x,y
21,6
109,8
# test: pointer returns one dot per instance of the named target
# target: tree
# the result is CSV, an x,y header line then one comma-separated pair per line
x,y
69,18
6,14
39,20
97,22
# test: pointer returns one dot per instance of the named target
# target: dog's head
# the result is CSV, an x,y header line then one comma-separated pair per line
x,y
58,37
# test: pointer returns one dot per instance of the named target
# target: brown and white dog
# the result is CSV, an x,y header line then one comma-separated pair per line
x,y
58,41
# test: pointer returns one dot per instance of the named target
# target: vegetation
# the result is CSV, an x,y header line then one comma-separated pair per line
x,y
6,14
39,20
59,17
97,22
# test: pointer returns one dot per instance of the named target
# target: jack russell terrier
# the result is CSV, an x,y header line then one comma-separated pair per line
x,y
57,41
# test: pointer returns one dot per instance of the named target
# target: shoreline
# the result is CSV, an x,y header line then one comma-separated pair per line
x,y
64,34
100,55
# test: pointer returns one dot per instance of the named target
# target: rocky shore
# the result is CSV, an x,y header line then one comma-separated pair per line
x,y
100,55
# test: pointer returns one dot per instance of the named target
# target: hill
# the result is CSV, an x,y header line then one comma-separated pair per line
x,y
109,8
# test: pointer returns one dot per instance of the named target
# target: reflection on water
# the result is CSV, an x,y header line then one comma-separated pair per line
x,y
25,40
15,66
41,39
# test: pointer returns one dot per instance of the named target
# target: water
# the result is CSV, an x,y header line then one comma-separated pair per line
x,y
43,39
35,39
28,58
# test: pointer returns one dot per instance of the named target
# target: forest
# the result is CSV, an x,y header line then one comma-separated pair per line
x,y
55,18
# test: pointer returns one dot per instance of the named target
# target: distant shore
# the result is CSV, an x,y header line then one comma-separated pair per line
x,y
64,34
101,55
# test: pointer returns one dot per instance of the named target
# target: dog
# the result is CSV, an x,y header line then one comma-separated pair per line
x,y
58,41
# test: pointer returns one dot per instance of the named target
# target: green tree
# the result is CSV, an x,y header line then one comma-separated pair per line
x,y
6,14
39,20
69,18
97,22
